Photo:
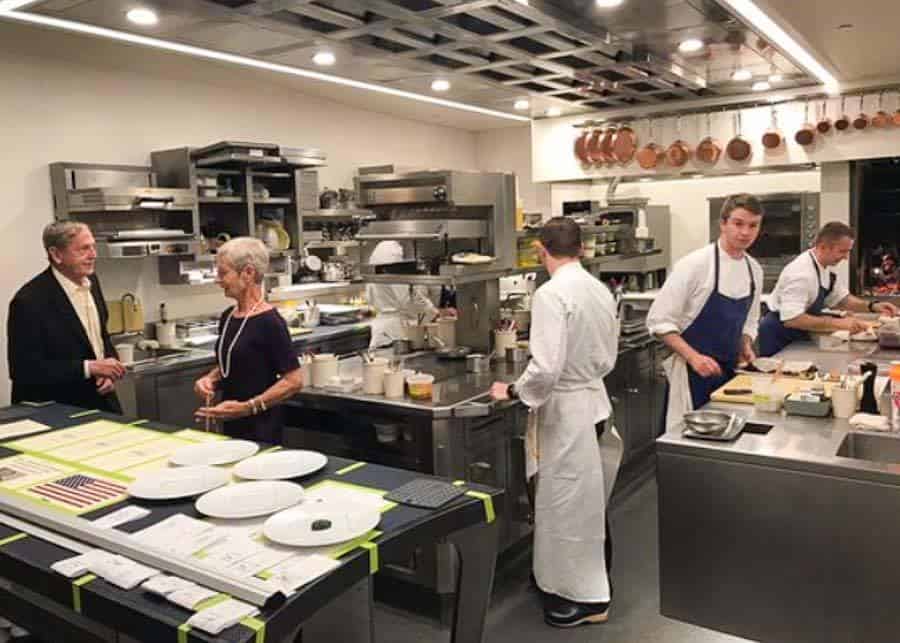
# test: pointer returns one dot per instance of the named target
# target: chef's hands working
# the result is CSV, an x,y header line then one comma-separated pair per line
x,y
886,308
500,391
704,365
852,324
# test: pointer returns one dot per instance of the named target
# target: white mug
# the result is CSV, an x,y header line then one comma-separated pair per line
x,y
125,352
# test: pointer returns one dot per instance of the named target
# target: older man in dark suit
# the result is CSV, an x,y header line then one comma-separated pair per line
x,y
59,348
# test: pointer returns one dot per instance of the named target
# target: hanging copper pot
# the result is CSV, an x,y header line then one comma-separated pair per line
x,y
861,121
606,145
824,124
843,121
882,118
625,144
806,135
593,147
738,148
651,155
708,150
896,116
581,147
679,152
772,139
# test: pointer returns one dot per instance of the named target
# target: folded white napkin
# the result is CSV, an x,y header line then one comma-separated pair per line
x,y
870,422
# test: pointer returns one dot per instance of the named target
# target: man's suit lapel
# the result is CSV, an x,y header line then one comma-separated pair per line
x,y
67,315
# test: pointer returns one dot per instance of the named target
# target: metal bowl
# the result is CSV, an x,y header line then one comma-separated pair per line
x,y
456,352
707,421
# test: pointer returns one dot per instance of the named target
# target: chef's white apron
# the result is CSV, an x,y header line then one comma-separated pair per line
x,y
680,402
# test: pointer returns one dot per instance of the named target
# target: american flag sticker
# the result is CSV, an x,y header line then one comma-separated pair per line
x,y
79,491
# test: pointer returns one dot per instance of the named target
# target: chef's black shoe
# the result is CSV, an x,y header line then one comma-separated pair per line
x,y
570,614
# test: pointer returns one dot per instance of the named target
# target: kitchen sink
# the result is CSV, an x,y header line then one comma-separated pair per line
x,y
874,448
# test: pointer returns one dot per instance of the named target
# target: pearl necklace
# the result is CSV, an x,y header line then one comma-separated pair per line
x,y
225,365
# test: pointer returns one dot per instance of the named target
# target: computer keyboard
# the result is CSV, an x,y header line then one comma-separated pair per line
x,y
425,493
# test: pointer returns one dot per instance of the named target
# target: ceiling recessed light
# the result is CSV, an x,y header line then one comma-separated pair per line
x,y
761,86
554,111
521,104
739,75
143,17
608,4
775,78
324,58
440,85
690,45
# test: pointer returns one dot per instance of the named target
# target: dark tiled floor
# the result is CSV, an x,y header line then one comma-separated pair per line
x,y
516,617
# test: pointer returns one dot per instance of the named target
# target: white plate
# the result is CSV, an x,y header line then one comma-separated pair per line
x,y
294,526
178,482
250,499
214,453
280,465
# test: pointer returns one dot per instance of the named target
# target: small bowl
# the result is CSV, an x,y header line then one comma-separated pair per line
x,y
707,421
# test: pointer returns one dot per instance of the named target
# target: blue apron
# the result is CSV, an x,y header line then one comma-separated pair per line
x,y
774,335
717,332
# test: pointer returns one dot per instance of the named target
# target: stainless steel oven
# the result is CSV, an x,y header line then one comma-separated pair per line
x,y
789,227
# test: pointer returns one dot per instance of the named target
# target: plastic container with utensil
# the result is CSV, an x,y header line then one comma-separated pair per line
x,y
767,395
421,386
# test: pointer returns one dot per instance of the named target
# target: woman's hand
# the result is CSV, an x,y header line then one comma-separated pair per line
x,y
205,387
227,410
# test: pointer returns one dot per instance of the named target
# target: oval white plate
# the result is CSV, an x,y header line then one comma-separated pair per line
x,y
280,465
178,482
214,453
294,526
250,499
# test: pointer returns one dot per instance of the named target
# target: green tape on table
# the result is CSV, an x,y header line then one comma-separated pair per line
x,y
137,423
346,548
257,626
37,404
489,514
211,602
81,414
373,556
76,590
12,539
271,449
349,468
183,630
458,483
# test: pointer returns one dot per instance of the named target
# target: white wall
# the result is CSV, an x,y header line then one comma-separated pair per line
x,y
509,150
78,100
687,199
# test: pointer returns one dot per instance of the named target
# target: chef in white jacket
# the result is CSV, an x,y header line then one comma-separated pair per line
x,y
707,311
574,341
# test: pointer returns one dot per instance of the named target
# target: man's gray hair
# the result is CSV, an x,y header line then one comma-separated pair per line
x,y
59,234
241,252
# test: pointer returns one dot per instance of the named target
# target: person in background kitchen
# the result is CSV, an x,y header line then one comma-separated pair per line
x,y
257,367
574,344
707,311
58,346
396,304
888,281
806,286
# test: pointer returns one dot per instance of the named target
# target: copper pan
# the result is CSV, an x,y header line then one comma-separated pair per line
x,y
861,121
738,148
581,147
679,152
882,118
824,124
773,139
896,116
843,121
651,155
708,150
806,135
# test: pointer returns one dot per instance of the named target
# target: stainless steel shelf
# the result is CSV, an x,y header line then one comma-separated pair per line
x,y
221,199
275,200
316,245
353,213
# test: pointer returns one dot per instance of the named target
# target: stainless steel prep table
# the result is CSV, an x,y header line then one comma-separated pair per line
x,y
776,537
42,600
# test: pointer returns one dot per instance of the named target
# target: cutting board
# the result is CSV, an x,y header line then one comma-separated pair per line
x,y
787,385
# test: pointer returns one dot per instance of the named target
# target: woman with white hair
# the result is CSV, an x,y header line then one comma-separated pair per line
x,y
256,366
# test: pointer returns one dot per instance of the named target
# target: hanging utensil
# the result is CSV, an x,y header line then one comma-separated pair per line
x,y
881,118
679,152
593,146
708,150
738,148
861,121
806,135
651,155
824,124
625,144
581,146
773,139
843,122
606,145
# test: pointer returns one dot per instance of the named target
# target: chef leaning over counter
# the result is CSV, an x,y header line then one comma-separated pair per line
x,y
809,284
574,341
707,311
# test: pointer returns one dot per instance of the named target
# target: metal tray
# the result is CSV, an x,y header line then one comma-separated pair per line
x,y
727,436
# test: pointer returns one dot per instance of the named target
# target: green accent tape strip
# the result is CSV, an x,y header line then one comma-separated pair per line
x,y
349,468
137,423
211,602
257,626
459,483
37,404
12,539
346,548
76,590
271,449
373,556
183,630
489,514
81,414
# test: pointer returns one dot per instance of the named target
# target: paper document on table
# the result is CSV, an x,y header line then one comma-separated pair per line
x,y
22,427
120,517
198,436
221,616
62,437
86,449
342,493
136,454
179,535
23,470
243,555
300,569
145,467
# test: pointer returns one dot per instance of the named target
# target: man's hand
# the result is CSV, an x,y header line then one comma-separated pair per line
x,y
499,391
205,387
227,410
704,365
886,308
109,368
747,355
852,324
105,385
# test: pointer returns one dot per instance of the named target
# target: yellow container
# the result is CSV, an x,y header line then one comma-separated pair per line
x,y
420,386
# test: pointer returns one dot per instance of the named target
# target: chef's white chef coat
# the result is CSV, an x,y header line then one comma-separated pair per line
x,y
798,287
690,284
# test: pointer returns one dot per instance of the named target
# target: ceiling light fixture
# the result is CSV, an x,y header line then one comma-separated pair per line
x,y
142,16
554,111
608,4
775,78
324,58
690,45
440,85
521,104
525,2
12,5
740,75
767,27
209,54
761,86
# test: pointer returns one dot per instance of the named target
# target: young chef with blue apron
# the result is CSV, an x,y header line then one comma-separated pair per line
x,y
809,284
574,344
707,311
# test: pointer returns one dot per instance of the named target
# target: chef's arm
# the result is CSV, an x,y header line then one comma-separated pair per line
x,y
857,305
703,365
817,323
287,386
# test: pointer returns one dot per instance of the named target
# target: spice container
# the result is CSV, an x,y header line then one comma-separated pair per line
x,y
421,386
